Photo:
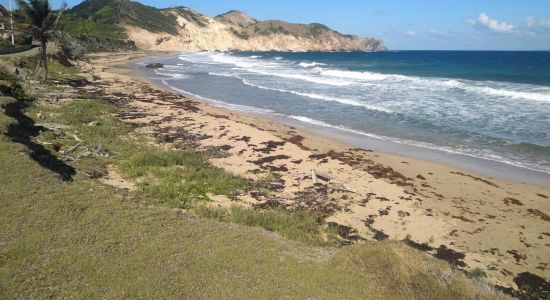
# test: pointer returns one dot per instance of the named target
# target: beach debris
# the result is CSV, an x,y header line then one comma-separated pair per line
x,y
517,256
513,201
43,143
537,286
453,257
314,177
325,176
350,188
269,159
403,214
76,138
367,198
379,235
348,234
476,178
270,146
538,213
384,212
301,177
70,149
99,151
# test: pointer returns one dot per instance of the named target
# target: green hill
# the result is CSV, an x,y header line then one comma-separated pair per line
x,y
103,18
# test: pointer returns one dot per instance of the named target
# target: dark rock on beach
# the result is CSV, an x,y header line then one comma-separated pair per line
x,y
155,66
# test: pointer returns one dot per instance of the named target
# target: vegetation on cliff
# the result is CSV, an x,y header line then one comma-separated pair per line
x,y
104,18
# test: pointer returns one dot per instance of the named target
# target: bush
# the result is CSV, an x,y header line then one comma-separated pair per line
x,y
15,89
476,273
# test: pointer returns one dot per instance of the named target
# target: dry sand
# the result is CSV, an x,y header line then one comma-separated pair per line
x,y
470,220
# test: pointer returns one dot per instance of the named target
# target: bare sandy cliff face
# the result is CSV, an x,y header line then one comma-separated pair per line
x,y
238,31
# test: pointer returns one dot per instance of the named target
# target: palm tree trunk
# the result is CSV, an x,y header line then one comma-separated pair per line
x,y
45,59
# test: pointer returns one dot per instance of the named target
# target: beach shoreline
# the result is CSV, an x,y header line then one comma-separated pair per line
x,y
487,223
335,138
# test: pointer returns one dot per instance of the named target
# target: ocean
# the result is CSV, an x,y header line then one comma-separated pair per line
x,y
487,106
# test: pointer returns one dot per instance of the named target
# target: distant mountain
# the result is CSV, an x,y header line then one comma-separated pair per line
x,y
183,29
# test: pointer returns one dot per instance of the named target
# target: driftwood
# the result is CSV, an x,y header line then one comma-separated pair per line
x,y
72,149
85,174
43,143
325,176
314,176
70,158
301,177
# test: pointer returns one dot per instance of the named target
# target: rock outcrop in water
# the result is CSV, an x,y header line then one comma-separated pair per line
x,y
183,29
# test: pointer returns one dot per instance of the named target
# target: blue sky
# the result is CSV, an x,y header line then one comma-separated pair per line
x,y
404,24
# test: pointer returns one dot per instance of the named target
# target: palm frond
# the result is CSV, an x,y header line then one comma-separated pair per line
x,y
41,17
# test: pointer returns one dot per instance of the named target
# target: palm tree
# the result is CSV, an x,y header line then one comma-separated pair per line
x,y
43,21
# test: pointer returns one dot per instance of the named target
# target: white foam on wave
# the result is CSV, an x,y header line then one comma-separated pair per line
x,y
310,64
513,94
278,58
467,152
172,75
466,85
355,75
264,68
222,74
308,78
334,77
345,101
223,104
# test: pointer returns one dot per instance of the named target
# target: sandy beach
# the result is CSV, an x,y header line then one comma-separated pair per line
x,y
470,220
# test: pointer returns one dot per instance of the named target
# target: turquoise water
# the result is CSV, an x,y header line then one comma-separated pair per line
x,y
489,105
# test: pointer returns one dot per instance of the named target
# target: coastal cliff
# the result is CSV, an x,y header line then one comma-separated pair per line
x,y
184,29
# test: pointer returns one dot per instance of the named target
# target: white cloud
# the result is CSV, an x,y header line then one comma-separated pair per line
x,y
483,21
532,22
410,33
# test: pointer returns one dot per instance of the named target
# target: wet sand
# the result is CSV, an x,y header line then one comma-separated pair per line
x,y
471,220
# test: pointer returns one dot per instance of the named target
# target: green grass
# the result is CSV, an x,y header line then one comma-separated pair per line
x,y
58,71
179,179
84,239
16,90
295,225
5,121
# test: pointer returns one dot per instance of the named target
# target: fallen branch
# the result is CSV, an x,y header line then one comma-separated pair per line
x,y
70,158
84,173
72,149
43,143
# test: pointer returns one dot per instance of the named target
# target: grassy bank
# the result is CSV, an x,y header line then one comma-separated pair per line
x,y
80,238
